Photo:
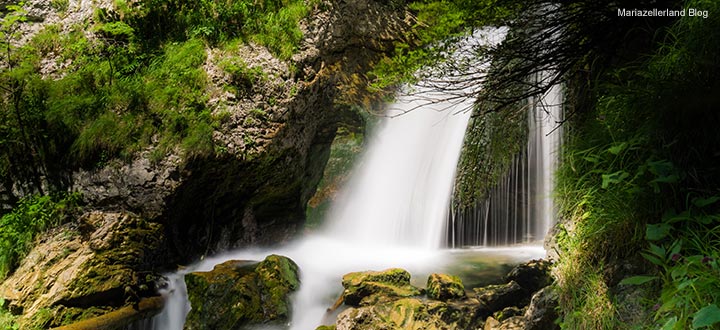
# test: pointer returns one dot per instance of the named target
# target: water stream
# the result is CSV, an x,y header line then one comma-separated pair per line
x,y
519,208
391,214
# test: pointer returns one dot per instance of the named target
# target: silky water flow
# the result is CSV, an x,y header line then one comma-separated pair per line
x,y
392,213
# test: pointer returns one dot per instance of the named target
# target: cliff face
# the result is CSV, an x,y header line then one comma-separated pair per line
x,y
271,145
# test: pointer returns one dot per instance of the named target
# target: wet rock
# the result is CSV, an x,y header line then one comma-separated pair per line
x,y
326,327
542,311
494,298
240,293
513,323
406,313
531,276
444,287
508,312
371,287
105,265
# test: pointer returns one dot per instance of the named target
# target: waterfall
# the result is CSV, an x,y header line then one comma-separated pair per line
x,y
404,181
519,208
391,214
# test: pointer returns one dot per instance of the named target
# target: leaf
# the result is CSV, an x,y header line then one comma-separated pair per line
x,y
670,324
637,280
612,178
707,316
655,232
655,260
702,202
617,149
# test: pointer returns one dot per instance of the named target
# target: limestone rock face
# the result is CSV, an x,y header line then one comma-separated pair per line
x,y
103,262
240,293
444,287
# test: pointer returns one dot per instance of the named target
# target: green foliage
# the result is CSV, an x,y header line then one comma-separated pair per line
x,y
140,79
271,23
7,320
243,78
439,23
60,5
32,216
638,179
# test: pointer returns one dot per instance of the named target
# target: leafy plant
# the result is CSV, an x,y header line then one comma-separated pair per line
x,y
32,216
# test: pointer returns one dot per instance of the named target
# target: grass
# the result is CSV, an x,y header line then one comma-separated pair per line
x,y
639,185
139,80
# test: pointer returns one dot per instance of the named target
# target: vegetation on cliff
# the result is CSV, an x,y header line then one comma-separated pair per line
x,y
638,188
130,77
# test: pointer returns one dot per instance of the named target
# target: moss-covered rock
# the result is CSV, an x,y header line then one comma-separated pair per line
x,y
239,293
372,287
444,287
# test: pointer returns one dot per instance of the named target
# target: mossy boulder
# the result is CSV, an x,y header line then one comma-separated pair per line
x,y
372,287
444,287
240,293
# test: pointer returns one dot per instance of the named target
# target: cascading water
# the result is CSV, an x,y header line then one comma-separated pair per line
x,y
390,215
520,208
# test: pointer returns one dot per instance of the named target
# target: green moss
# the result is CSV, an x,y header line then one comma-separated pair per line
x,y
371,287
238,293
112,269
444,287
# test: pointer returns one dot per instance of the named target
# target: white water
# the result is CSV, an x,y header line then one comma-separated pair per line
x,y
520,208
391,214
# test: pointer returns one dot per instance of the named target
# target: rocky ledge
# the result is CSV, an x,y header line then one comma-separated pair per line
x,y
386,300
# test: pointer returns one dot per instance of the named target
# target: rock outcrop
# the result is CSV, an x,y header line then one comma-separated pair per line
x,y
236,294
446,304
86,269
271,147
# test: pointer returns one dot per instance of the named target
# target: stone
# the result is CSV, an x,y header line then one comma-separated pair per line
x,y
236,294
494,298
371,287
406,313
513,323
444,287
531,276
88,264
508,312
542,311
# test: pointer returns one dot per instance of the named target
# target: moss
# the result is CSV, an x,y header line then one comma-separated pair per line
x,y
371,287
115,265
444,287
238,293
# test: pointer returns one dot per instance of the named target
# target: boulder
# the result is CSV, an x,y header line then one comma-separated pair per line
x,y
240,293
542,311
444,287
531,276
494,298
372,287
